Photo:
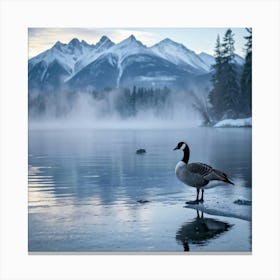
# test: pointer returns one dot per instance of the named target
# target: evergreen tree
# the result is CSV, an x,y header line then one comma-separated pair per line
x,y
231,88
224,97
133,101
246,78
216,94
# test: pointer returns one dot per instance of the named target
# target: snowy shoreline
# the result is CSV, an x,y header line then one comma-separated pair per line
x,y
247,122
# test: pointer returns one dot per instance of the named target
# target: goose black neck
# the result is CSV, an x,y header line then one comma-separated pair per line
x,y
186,156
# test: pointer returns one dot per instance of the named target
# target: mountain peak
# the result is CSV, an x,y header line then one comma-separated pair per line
x,y
131,40
74,42
168,41
104,41
83,42
132,37
57,44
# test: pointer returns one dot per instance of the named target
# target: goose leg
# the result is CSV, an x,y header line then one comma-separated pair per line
x,y
194,201
201,199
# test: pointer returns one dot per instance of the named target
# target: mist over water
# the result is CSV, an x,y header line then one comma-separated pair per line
x,y
110,111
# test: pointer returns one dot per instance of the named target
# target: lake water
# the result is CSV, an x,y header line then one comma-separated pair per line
x,y
84,187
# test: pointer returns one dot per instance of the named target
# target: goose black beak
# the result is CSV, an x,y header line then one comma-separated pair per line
x,y
176,149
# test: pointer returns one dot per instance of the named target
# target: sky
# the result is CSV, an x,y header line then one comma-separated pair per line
x,y
196,39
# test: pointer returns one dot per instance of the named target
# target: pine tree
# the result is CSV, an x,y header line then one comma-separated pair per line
x,y
231,88
224,97
216,94
246,78
133,101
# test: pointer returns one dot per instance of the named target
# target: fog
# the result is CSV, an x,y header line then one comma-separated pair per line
x,y
113,109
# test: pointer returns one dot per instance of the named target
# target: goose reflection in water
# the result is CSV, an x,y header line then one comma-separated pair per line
x,y
200,230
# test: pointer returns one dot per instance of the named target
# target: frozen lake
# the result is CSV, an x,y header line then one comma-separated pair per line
x,y
84,188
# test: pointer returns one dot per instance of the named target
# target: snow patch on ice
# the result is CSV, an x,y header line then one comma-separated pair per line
x,y
220,211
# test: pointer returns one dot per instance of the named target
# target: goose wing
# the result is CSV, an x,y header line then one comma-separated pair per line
x,y
207,172
200,168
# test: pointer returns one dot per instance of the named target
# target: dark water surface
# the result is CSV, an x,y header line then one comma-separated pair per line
x,y
84,188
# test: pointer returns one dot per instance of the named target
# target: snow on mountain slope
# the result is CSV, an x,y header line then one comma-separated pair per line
x,y
179,54
88,57
76,55
101,73
105,47
65,54
151,70
127,47
239,60
209,60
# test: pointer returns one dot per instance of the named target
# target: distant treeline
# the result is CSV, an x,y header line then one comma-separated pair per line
x,y
124,102
129,102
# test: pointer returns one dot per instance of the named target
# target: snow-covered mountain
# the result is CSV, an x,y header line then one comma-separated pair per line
x,y
126,64
209,60
238,59
88,57
80,65
49,69
65,54
180,55
129,46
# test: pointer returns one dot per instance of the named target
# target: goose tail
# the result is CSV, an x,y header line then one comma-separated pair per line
x,y
222,176
228,181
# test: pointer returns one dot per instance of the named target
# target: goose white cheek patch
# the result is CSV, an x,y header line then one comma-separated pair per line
x,y
183,147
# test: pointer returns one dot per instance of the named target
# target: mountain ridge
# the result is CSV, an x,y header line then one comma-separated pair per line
x,y
81,65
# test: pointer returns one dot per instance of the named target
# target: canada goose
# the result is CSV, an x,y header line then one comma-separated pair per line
x,y
198,175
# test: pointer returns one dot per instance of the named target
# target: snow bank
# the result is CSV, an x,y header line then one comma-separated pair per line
x,y
235,123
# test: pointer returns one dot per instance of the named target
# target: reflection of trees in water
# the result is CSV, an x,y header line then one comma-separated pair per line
x,y
200,230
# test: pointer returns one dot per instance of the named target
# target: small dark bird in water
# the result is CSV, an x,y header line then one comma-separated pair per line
x,y
142,201
198,175
140,151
